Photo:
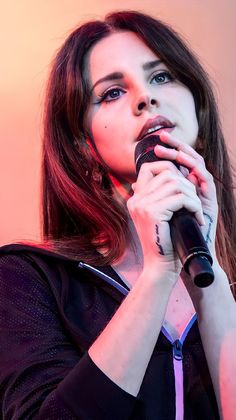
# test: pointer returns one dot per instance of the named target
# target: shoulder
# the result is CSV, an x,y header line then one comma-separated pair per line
x,y
26,264
36,280
29,248
28,252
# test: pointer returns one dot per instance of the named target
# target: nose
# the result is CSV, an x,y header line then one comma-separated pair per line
x,y
144,102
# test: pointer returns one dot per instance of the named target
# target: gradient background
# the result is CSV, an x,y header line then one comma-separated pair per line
x,y
31,32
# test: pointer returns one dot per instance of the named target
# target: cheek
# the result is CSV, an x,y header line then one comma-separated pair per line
x,y
194,119
100,124
192,122
109,131
102,135
190,112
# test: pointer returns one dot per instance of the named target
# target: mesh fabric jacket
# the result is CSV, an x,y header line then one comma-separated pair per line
x,y
51,312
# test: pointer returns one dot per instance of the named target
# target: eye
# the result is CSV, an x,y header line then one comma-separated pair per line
x,y
111,95
162,77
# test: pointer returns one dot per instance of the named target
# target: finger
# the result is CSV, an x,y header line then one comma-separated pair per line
x,y
184,171
133,186
166,186
151,169
164,209
192,178
177,144
183,159
168,182
164,192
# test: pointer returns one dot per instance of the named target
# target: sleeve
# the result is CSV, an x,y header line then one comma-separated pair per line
x,y
42,373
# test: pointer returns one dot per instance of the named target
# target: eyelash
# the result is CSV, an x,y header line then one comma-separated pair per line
x,y
166,73
103,97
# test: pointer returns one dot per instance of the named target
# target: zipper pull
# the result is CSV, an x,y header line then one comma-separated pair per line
x,y
177,350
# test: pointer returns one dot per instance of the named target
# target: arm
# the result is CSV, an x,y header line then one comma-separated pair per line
x,y
130,337
216,311
43,374
215,304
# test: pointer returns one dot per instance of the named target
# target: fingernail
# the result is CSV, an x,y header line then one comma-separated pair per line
x,y
184,171
159,147
164,134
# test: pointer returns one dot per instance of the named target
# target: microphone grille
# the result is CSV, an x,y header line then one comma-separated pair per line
x,y
144,151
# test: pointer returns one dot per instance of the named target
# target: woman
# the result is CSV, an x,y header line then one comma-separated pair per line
x,y
99,321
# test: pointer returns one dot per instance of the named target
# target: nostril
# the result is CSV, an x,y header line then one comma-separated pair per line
x,y
141,106
153,102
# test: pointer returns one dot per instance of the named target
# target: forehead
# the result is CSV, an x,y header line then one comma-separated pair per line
x,y
116,52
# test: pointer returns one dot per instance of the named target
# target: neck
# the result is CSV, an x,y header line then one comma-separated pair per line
x,y
130,264
122,192
122,189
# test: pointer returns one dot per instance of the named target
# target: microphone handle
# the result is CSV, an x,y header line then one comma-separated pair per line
x,y
191,248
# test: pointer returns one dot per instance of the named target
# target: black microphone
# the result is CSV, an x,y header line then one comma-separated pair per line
x,y
186,235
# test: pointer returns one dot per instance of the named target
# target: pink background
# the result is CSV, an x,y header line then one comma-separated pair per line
x,y
30,33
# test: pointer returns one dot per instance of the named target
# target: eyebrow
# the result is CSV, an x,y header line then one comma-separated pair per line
x,y
118,75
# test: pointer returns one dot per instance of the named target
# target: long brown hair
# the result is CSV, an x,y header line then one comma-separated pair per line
x,y
79,213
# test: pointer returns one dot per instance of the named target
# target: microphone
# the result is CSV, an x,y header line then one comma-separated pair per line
x,y
186,236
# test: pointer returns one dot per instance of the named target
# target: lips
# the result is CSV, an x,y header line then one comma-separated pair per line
x,y
154,125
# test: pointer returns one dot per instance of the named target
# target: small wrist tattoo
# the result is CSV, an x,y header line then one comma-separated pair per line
x,y
161,252
210,220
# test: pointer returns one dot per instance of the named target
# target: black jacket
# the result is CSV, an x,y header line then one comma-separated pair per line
x,y
51,311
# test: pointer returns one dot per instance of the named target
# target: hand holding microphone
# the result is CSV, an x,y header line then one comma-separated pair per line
x,y
186,235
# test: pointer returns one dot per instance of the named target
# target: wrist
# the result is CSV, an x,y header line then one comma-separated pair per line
x,y
217,295
163,272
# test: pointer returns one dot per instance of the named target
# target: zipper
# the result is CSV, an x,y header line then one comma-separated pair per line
x,y
177,350
177,345
179,379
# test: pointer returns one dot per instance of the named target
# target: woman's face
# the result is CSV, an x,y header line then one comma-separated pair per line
x,y
133,92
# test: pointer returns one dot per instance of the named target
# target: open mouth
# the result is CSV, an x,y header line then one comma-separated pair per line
x,y
157,130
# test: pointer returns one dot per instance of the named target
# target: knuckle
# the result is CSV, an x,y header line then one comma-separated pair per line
x,y
144,167
198,204
135,206
178,184
193,187
131,204
170,174
182,196
147,212
170,165
150,212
